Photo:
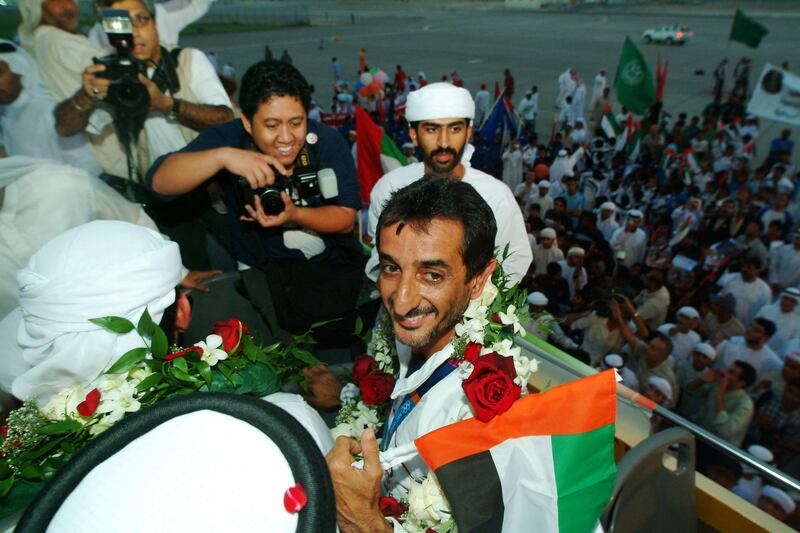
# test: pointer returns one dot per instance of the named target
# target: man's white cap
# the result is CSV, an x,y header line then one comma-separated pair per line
x,y
664,328
548,233
576,250
662,385
705,349
613,360
537,298
761,453
439,100
780,497
562,153
792,292
689,312
408,145
785,185
635,213
544,184
608,206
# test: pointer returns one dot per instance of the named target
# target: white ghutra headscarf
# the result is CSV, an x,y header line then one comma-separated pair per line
x,y
103,268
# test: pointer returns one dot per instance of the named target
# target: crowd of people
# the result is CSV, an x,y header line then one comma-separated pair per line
x,y
665,247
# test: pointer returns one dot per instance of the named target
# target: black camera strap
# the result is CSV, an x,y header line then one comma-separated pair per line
x,y
165,75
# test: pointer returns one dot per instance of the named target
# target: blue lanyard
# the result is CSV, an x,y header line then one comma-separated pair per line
x,y
411,400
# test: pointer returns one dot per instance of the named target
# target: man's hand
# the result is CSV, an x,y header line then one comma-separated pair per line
x,y
255,167
324,385
95,87
257,214
195,278
357,490
158,100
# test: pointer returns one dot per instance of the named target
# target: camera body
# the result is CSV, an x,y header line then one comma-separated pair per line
x,y
126,95
307,182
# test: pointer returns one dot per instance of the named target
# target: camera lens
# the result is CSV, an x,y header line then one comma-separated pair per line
x,y
271,202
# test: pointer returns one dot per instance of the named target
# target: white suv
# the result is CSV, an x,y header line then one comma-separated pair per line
x,y
669,34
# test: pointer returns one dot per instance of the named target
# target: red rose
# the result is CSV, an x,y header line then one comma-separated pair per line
x,y
363,366
472,352
231,332
88,406
190,349
496,318
391,507
376,388
490,388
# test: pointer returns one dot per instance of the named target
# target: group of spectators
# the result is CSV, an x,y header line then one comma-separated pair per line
x,y
669,252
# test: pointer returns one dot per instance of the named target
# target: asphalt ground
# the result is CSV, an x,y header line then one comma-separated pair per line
x,y
537,46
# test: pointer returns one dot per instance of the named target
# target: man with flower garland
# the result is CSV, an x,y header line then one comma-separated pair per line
x,y
435,240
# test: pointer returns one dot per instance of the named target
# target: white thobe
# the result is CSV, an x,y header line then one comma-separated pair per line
x,y
512,168
568,272
510,225
784,266
787,326
629,247
608,226
750,297
764,360
598,87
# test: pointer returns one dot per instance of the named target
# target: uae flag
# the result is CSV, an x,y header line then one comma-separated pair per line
x,y
609,123
691,160
546,464
667,157
376,150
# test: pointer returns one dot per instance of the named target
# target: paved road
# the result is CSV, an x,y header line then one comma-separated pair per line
x,y
536,46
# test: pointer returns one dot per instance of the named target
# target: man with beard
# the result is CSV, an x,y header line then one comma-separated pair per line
x,y
436,242
440,124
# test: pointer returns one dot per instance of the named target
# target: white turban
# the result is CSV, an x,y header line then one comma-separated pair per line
x,y
31,11
103,268
537,298
548,233
439,100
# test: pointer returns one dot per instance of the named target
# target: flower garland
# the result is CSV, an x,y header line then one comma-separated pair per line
x,y
494,374
38,440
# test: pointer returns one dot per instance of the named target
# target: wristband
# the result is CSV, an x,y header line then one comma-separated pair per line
x,y
77,106
176,108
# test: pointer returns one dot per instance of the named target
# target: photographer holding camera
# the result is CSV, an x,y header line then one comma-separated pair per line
x,y
292,193
172,94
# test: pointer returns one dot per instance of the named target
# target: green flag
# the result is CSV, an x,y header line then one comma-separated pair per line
x,y
746,30
634,80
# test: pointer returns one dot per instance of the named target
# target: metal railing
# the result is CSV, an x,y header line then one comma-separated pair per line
x,y
634,399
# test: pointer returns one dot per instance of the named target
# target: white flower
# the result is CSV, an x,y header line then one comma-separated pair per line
x,y
506,348
426,502
212,354
136,375
349,392
476,310
489,294
465,369
117,397
472,329
64,403
510,318
342,430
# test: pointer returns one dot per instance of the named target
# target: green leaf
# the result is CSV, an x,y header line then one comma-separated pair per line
x,y
114,323
183,375
19,497
359,326
255,380
146,326
226,373
130,359
31,472
181,364
149,382
205,371
306,357
249,349
158,345
58,428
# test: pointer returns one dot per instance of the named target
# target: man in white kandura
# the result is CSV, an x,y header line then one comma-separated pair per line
x,y
440,123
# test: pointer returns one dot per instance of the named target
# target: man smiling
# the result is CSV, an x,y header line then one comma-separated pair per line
x,y
435,240
440,124
307,264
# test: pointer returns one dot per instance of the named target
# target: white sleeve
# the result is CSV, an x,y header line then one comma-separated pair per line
x,y
205,83
174,15
511,230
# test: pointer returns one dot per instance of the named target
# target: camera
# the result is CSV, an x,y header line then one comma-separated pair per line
x,y
126,95
307,182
